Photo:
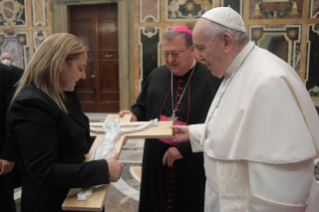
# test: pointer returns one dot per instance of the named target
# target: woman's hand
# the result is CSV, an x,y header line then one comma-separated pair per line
x,y
180,133
115,167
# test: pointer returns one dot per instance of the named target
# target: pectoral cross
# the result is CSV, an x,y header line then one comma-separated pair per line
x,y
173,118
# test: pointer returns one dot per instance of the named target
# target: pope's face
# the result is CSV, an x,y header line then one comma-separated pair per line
x,y
209,51
178,57
72,72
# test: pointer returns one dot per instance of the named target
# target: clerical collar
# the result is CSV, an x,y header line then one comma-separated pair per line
x,y
238,60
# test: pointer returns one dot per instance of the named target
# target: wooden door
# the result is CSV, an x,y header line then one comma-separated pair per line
x,y
97,26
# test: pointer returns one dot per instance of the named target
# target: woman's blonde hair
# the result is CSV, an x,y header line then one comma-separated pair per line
x,y
44,68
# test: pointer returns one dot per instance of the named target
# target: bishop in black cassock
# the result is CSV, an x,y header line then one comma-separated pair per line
x,y
174,182
182,186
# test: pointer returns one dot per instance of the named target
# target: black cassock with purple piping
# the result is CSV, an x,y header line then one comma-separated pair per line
x,y
182,186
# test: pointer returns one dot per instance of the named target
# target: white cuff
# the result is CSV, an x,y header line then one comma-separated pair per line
x,y
195,134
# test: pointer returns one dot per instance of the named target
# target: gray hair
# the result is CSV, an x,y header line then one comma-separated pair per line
x,y
214,30
170,35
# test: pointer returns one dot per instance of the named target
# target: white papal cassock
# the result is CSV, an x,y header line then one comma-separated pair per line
x,y
261,139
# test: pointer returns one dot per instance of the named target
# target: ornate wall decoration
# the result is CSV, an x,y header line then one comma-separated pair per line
x,y
38,38
149,10
13,13
281,40
149,50
169,28
273,9
187,9
314,9
312,65
39,13
275,0
17,45
237,5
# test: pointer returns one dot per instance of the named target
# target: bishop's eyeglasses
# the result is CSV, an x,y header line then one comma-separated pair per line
x,y
174,54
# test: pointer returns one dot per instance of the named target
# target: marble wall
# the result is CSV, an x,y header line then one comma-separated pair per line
x,y
281,40
273,9
312,70
149,50
24,24
287,28
17,45
152,20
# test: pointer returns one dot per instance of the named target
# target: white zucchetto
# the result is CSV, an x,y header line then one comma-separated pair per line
x,y
227,17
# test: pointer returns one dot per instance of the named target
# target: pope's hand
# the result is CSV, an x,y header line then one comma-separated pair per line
x,y
115,167
6,166
180,133
171,155
123,112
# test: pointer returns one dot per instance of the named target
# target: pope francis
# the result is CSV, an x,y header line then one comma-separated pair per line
x,y
262,130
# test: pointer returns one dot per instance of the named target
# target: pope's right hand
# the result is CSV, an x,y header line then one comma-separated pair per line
x,y
180,133
123,112
115,167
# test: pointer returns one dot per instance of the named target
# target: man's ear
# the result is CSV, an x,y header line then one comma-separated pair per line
x,y
228,42
192,48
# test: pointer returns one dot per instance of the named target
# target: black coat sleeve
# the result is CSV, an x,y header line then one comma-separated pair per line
x,y
185,148
7,152
33,122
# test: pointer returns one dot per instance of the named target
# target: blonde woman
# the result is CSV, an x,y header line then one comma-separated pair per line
x,y
49,134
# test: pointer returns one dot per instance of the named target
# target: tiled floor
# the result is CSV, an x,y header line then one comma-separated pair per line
x,y
124,194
